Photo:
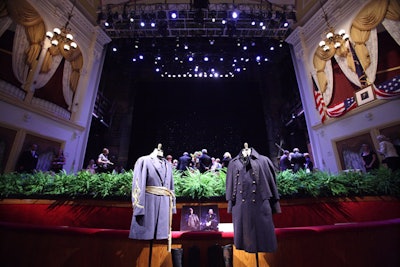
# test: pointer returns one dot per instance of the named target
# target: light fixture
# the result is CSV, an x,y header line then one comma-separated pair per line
x,y
332,39
62,36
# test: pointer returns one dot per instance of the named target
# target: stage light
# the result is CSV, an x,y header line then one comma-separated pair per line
x,y
253,23
286,24
157,70
131,20
261,24
153,24
258,58
235,14
106,24
114,49
134,59
245,47
142,24
173,14
186,47
221,59
141,57
206,58
272,48
190,58
223,21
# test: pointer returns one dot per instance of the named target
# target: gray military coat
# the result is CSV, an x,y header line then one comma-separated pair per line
x,y
151,213
252,198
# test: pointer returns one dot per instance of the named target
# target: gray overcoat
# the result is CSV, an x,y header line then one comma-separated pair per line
x,y
252,198
151,213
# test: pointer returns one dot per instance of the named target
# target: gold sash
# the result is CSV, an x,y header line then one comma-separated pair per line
x,y
163,191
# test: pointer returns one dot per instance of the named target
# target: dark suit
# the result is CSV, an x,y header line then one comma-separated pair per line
x,y
298,161
184,162
205,162
27,161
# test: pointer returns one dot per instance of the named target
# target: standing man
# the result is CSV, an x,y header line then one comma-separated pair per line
x,y
204,161
284,162
184,162
103,162
28,160
298,160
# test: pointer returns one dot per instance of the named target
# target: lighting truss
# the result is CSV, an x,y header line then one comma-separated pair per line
x,y
156,21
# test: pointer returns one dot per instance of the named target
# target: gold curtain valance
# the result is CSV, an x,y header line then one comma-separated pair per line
x,y
371,15
393,11
23,13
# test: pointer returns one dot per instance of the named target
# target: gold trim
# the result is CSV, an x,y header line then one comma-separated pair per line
x,y
388,70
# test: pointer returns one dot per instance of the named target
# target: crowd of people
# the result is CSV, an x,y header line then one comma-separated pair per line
x,y
295,161
200,160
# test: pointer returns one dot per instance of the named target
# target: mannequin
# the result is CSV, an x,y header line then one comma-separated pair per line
x,y
252,198
246,150
153,198
157,152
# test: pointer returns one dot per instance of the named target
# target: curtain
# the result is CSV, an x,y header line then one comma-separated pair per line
x,y
392,20
23,13
367,19
20,44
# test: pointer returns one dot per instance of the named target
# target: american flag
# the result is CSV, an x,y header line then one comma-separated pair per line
x,y
362,77
389,89
342,108
319,102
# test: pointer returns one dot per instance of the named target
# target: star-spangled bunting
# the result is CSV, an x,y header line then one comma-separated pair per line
x,y
319,102
389,89
362,76
342,108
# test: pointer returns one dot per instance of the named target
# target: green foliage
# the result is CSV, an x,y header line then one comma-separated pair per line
x,y
196,185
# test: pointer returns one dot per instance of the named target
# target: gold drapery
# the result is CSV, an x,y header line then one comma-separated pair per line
x,y
370,16
367,19
393,11
23,13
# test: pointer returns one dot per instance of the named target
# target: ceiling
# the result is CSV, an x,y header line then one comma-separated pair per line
x,y
203,37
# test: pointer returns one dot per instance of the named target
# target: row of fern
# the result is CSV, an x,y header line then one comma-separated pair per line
x,y
196,185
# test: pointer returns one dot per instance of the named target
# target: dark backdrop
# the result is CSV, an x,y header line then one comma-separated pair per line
x,y
192,114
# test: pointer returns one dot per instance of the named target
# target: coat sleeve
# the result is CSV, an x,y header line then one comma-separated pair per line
x,y
139,187
229,187
274,200
172,188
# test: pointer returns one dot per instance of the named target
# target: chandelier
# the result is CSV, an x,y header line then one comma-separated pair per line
x,y
62,36
335,40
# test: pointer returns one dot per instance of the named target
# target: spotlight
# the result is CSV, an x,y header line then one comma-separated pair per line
x,y
235,14
173,14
